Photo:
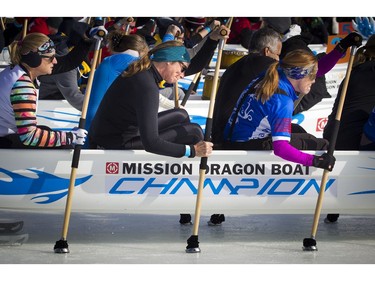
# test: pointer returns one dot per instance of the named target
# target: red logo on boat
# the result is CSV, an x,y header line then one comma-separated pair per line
x,y
111,168
321,123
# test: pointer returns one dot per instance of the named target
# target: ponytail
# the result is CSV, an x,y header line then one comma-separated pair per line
x,y
268,85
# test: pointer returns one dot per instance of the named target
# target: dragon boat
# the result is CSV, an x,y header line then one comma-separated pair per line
x,y
236,182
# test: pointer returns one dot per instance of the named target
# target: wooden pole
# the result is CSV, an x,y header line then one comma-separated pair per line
x,y
193,243
2,24
24,29
309,244
176,98
61,246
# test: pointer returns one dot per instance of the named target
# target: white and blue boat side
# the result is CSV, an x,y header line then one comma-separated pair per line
x,y
134,181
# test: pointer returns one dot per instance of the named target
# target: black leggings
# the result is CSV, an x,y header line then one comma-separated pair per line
x,y
174,126
300,139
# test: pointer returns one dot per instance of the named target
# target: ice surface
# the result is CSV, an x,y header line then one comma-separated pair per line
x,y
148,240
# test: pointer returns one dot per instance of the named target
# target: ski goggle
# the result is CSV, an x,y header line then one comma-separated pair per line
x,y
46,48
300,72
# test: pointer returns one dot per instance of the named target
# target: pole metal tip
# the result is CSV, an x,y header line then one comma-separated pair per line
x,y
192,250
193,245
61,247
309,244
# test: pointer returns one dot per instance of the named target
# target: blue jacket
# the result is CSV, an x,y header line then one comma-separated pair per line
x,y
106,73
257,120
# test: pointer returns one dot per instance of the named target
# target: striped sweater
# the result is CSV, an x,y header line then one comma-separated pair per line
x,y
19,93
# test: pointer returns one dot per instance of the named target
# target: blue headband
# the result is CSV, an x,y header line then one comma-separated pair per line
x,y
174,53
298,72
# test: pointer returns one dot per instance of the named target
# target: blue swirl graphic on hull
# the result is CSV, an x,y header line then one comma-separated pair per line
x,y
44,183
365,191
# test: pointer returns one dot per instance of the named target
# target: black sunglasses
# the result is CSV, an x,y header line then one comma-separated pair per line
x,y
183,67
50,58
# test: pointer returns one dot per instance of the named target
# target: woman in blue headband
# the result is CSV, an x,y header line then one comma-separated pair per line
x,y
262,117
128,117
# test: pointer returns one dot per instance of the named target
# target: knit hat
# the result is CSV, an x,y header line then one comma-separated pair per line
x,y
281,25
54,22
193,23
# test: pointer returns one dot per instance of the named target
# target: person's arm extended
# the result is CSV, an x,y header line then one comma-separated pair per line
x,y
327,62
283,149
74,58
203,57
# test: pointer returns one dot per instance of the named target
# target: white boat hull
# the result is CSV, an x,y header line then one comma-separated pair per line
x,y
238,183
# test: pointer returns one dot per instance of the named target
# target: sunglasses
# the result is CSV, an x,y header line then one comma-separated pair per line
x,y
50,58
183,67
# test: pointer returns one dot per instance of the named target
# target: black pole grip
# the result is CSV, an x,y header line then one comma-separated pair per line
x,y
208,130
203,163
77,147
332,141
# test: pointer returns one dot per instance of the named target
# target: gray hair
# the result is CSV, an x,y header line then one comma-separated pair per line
x,y
262,38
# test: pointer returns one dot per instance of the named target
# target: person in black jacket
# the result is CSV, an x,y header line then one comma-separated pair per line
x,y
128,118
64,85
359,100
264,49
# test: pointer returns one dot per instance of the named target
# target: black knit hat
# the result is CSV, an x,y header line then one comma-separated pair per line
x,y
281,25
294,43
54,22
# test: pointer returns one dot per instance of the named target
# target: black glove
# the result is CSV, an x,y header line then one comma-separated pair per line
x,y
324,161
148,29
352,39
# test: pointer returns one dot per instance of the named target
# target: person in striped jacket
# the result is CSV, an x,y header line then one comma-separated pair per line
x,y
32,57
